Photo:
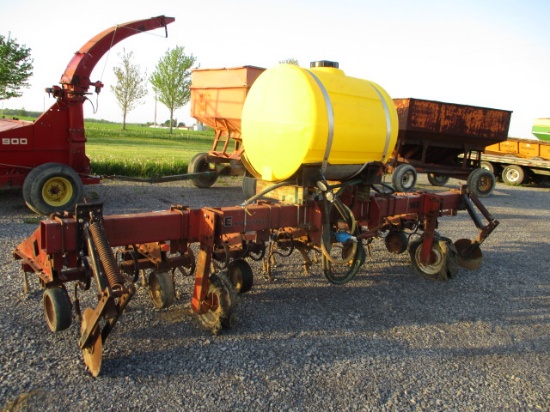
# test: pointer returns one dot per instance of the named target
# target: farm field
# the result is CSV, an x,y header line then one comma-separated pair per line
x,y
142,151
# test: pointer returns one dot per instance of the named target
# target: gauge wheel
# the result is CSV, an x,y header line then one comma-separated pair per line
x,y
444,257
161,289
57,309
199,164
241,276
55,188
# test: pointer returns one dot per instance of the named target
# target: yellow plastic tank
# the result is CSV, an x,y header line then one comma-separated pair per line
x,y
294,116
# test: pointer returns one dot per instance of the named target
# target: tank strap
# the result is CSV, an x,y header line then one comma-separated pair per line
x,y
388,122
330,117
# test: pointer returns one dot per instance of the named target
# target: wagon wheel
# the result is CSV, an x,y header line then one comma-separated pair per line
x,y
437,180
513,175
487,165
56,188
241,276
93,353
404,178
161,289
221,299
444,257
481,182
199,164
57,309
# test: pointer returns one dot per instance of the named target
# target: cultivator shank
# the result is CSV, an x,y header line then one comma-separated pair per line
x,y
335,222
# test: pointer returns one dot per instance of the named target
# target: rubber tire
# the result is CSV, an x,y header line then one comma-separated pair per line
x,y
161,289
447,266
198,164
57,309
27,184
404,178
48,172
513,175
240,275
481,182
437,180
487,166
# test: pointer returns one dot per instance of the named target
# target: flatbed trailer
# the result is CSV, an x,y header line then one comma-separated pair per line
x,y
445,140
518,160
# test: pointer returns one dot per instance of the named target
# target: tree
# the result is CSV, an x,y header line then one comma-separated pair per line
x,y
290,61
172,78
15,68
131,85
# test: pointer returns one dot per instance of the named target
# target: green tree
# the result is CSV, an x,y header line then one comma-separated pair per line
x,y
172,78
290,61
15,68
131,86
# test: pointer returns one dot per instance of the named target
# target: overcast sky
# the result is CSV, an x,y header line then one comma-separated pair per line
x,y
491,53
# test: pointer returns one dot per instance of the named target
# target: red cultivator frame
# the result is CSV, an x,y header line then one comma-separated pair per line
x,y
336,221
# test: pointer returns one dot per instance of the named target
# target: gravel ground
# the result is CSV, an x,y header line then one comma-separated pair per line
x,y
388,340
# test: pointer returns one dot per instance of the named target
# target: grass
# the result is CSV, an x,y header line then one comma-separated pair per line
x,y
141,151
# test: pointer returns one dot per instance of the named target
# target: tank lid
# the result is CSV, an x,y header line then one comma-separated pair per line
x,y
324,63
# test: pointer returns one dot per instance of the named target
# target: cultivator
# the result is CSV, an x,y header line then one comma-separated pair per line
x,y
335,222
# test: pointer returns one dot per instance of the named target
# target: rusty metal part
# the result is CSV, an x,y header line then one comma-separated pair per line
x,y
396,241
469,254
93,350
432,135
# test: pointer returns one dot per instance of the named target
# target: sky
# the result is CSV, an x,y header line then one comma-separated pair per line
x,y
489,53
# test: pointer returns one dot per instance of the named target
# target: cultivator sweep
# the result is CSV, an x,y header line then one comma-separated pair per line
x,y
336,221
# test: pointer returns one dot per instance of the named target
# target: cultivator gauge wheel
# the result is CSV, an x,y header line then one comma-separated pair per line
x,y
444,259
241,276
93,352
161,289
221,299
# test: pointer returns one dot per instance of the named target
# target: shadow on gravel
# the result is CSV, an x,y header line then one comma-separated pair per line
x,y
384,314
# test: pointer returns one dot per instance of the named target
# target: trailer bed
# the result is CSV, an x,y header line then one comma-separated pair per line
x,y
432,135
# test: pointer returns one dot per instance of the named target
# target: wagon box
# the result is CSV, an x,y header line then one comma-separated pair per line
x,y
450,125
445,140
218,95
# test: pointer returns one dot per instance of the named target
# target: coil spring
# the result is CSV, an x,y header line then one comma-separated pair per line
x,y
115,279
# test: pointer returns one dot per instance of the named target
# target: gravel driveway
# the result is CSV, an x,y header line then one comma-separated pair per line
x,y
388,340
